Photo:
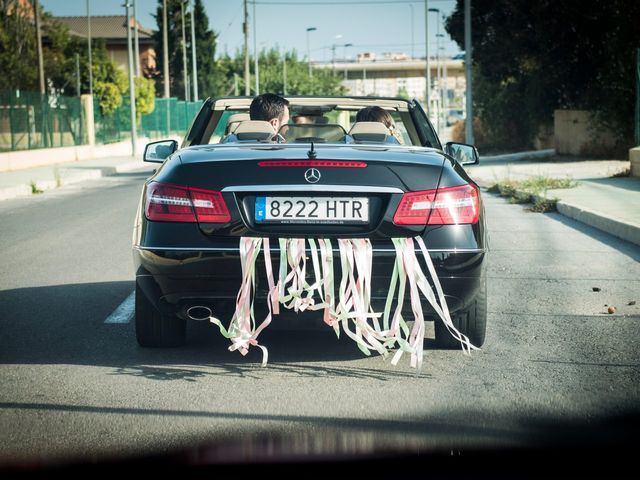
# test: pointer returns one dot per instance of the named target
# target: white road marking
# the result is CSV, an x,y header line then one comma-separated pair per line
x,y
124,312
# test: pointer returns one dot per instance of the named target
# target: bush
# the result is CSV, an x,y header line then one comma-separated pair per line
x,y
479,136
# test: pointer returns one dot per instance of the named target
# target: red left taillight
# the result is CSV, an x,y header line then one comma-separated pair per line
x,y
177,203
445,206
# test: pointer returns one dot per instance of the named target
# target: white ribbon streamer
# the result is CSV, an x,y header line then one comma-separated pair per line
x,y
351,307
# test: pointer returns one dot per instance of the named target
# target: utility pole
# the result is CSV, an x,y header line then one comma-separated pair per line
x,y
165,50
412,37
132,89
467,72
77,74
165,63
245,28
284,74
39,41
426,46
255,51
194,64
333,57
89,48
184,55
310,29
136,39
344,56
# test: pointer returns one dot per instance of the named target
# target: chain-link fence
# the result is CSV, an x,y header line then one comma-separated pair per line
x,y
31,120
170,116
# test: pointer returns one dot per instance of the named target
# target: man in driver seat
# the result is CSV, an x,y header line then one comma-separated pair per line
x,y
271,108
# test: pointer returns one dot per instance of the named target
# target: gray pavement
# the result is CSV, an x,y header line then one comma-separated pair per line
x,y
601,201
555,369
608,203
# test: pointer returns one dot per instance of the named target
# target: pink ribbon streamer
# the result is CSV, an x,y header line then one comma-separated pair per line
x,y
352,304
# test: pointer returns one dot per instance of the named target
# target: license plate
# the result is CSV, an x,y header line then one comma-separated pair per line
x,y
312,209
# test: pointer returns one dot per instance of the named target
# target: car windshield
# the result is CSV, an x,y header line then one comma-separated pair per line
x,y
313,133
325,120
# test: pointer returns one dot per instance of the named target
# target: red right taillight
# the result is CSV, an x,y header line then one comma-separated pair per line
x,y
445,206
177,203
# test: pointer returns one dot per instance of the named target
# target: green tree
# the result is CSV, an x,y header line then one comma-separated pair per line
x,y
206,42
205,49
18,57
402,92
272,75
18,53
535,57
145,96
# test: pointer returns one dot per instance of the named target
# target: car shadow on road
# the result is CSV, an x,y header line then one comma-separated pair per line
x,y
64,324
627,248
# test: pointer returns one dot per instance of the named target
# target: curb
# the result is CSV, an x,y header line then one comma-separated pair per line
x,y
611,225
532,154
73,176
614,226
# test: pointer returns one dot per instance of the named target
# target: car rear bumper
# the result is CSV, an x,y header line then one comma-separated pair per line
x,y
175,279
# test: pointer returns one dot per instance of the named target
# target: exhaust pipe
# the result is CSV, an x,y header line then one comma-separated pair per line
x,y
199,312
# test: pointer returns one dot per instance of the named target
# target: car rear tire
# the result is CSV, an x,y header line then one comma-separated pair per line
x,y
154,330
471,321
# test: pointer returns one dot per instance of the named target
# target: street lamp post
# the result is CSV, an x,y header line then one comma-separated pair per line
x,y
333,53
441,85
39,47
437,12
194,63
426,56
165,63
310,29
89,48
136,40
344,55
412,37
184,54
256,65
445,91
467,73
132,90
245,30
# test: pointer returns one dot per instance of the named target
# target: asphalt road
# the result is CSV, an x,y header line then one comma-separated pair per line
x,y
555,367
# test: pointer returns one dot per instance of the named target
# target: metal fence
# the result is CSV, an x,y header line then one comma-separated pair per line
x,y
31,120
170,116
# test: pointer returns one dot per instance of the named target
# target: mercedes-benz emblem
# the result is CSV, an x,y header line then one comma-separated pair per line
x,y
312,175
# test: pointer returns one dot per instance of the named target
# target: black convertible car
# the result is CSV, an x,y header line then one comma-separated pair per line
x,y
329,178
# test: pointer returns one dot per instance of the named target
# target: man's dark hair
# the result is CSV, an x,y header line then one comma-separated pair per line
x,y
268,106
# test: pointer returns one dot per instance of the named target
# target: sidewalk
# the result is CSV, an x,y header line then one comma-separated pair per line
x,y
24,182
609,204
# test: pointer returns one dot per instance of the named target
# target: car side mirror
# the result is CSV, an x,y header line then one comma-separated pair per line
x,y
463,153
157,152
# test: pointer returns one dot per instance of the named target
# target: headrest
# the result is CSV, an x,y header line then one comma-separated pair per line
x,y
234,121
259,130
369,132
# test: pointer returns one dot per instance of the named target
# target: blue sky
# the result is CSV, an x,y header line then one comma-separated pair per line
x,y
375,26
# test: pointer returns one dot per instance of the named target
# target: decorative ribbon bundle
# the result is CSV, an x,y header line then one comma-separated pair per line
x,y
351,308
